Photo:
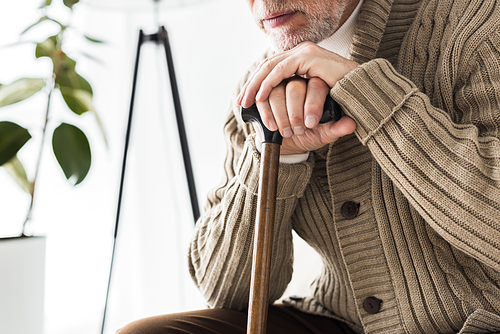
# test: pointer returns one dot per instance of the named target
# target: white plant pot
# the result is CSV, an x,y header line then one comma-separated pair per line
x,y
22,284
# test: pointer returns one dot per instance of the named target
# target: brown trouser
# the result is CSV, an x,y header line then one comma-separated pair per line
x,y
281,319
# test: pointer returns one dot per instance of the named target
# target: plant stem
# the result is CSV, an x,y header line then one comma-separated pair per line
x,y
51,86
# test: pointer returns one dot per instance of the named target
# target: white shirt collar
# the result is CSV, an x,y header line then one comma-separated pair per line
x,y
341,40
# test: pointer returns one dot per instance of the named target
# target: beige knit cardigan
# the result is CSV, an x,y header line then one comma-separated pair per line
x,y
423,165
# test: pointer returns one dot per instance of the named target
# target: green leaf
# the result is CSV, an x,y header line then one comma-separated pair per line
x,y
93,40
20,90
72,151
70,3
16,169
46,48
78,100
67,64
12,139
68,78
46,3
75,90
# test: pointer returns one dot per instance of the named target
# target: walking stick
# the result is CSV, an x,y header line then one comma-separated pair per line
x,y
266,205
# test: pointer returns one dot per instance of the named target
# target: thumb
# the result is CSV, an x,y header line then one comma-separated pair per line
x,y
344,126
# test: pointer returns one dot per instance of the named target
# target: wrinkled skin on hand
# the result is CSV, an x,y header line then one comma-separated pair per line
x,y
290,89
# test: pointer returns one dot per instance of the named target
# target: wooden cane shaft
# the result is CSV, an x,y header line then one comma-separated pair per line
x,y
263,239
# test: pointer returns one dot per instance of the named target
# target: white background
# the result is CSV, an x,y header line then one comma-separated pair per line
x,y
213,43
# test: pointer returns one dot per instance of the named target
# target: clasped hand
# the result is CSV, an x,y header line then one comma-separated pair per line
x,y
290,90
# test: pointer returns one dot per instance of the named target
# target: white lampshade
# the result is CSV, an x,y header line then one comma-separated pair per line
x,y
127,5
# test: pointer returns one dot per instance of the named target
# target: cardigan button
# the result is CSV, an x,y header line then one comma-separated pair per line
x,y
371,305
349,210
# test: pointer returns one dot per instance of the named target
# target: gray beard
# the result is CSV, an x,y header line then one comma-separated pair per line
x,y
288,40
321,25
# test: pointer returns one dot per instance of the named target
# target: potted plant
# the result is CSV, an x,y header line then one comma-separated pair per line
x,y
22,256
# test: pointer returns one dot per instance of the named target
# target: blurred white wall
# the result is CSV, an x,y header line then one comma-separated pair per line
x,y
213,43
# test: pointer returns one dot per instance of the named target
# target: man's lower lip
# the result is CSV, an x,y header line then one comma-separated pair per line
x,y
278,20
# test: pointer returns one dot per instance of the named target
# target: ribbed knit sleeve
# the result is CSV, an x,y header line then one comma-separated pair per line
x,y
445,161
220,254
423,171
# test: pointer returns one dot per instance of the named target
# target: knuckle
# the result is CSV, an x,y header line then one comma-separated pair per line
x,y
296,86
277,94
266,64
309,47
295,89
282,121
313,106
296,119
279,66
306,44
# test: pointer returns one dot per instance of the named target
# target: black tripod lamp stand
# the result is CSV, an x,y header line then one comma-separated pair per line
x,y
161,38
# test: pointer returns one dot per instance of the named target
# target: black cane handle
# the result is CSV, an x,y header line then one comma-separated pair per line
x,y
331,112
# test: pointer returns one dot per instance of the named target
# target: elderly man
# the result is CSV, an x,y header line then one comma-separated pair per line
x,y
400,197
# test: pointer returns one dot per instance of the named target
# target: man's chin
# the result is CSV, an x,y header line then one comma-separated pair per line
x,y
284,42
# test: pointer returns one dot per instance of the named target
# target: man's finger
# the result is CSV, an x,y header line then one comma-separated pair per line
x,y
241,95
343,127
277,100
295,97
317,91
280,71
266,114
253,84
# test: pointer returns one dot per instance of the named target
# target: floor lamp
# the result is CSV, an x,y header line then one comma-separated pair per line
x,y
160,38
